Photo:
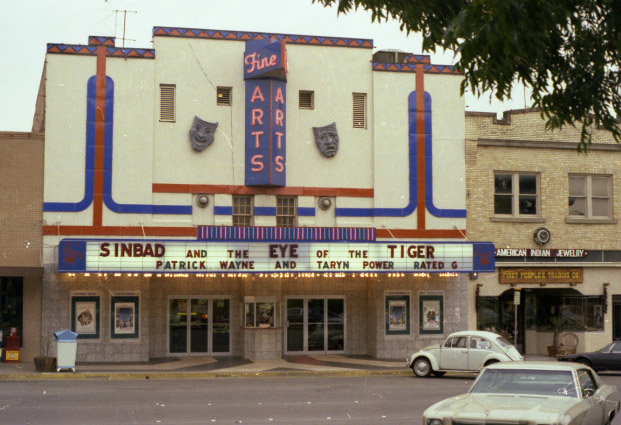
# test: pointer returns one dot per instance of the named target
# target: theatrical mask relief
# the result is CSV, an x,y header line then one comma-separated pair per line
x,y
327,139
202,134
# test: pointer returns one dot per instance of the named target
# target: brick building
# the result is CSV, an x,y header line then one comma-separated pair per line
x,y
552,214
21,242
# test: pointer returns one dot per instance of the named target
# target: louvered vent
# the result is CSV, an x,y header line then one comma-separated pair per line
x,y
167,102
224,96
360,110
307,99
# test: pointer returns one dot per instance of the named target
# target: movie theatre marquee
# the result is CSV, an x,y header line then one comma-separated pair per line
x,y
167,256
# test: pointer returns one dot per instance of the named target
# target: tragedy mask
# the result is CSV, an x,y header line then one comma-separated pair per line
x,y
327,139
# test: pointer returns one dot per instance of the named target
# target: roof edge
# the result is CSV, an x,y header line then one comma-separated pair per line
x,y
313,40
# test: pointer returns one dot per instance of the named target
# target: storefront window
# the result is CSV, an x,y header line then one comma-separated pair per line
x,y
11,302
579,313
530,311
487,319
582,313
261,313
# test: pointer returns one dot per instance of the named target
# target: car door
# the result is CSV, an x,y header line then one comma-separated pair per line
x,y
606,358
479,351
612,359
454,354
595,410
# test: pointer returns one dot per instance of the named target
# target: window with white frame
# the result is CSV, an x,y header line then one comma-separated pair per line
x,y
242,210
590,196
516,194
261,312
286,211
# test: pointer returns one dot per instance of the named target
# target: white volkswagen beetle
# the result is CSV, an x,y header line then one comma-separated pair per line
x,y
464,351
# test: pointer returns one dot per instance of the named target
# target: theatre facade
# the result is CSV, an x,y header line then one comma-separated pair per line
x,y
254,195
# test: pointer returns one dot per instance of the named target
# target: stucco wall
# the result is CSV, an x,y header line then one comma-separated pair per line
x,y
147,151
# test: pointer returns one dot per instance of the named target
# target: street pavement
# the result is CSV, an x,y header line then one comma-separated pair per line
x,y
194,367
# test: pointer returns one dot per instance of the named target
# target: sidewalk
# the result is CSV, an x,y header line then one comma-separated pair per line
x,y
218,367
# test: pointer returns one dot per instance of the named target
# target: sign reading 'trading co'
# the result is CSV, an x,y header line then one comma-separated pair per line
x,y
541,275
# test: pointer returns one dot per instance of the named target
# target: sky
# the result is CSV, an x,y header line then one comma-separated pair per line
x,y
26,26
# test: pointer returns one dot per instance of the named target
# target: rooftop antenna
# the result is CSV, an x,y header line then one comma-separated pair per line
x,y
125,12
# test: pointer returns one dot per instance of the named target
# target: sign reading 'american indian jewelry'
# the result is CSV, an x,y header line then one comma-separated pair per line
x,y
167,256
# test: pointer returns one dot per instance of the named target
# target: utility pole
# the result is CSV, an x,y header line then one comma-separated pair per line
x,y
125,12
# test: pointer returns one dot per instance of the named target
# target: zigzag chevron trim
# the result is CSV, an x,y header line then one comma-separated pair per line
x,y
418,59
79,49
411,67
245,36
95,40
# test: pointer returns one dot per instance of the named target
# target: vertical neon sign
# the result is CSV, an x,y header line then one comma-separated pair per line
x,y
266,94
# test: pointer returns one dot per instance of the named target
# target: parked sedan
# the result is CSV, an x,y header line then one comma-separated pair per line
x,y
465,351
530,393
608,358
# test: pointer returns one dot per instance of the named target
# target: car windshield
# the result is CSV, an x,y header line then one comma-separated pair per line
x,y
503,342
607,348
524,381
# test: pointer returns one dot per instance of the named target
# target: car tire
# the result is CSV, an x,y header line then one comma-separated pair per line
x,y
583,361
489,362
437,373
421,367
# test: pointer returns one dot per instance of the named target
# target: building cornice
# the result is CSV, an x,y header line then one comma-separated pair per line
x,y
539,144
21,135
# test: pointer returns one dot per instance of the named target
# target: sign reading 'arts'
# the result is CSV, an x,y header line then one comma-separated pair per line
x,y
266,93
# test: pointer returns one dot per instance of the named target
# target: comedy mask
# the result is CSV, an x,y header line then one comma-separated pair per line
x,y
202,133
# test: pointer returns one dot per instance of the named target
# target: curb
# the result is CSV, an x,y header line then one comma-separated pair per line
x,y
120,376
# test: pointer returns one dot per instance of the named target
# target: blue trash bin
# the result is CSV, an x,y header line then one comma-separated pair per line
x,y
66,348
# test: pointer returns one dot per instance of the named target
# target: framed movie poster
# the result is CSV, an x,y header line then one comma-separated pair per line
x,y
397,314
431,314
85,315
125,314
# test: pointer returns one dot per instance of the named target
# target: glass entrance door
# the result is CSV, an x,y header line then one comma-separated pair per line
x,y
315,324
335,314
199,326
616,318
193,329
295,325
221,326
178,326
